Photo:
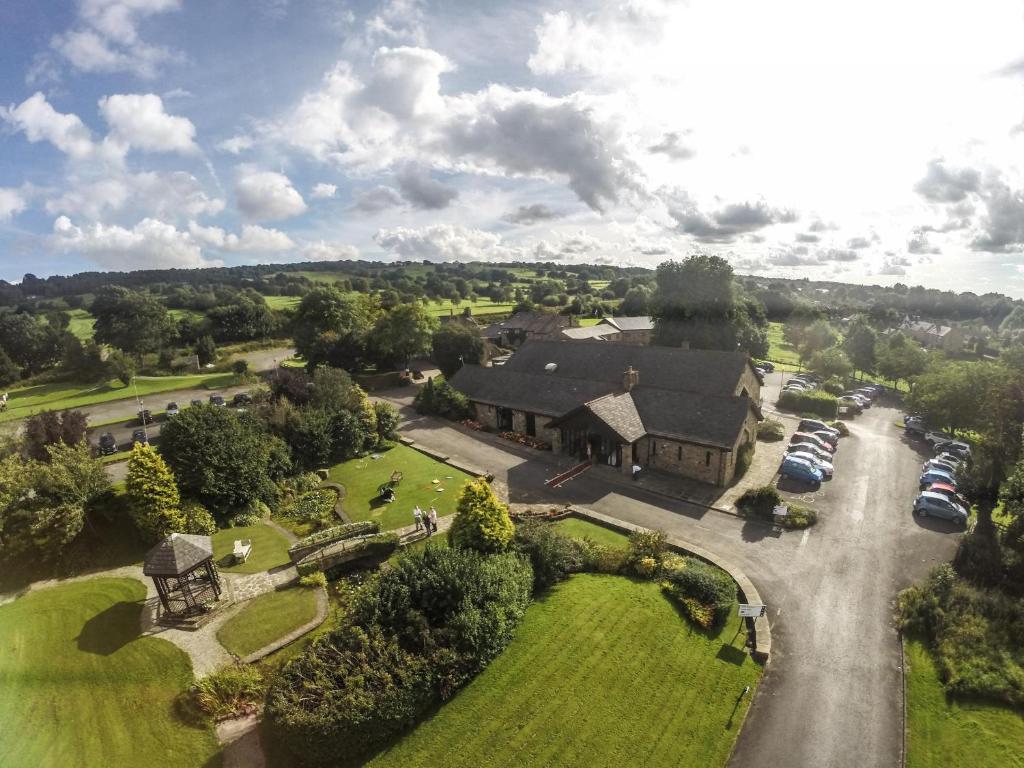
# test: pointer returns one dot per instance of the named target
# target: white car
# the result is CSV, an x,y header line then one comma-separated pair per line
x,y
825,467
810,448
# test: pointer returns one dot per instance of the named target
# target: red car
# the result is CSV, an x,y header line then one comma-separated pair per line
x,y
950,493
810,437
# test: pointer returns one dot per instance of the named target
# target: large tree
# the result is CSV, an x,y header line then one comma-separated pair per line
x,y
697,302
32,345
859,345
455,344
246,317
49,428
403,333
899,358
131,321
332,327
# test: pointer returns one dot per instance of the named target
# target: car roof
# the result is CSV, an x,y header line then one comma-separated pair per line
x,y
943,486
939,472
933,495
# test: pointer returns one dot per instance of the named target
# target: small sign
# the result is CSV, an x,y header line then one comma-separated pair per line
x,y
781,511
752,611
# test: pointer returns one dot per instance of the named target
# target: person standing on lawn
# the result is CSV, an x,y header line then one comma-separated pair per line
x,y
433,518
417,516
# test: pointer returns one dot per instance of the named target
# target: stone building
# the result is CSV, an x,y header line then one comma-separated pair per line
x,y
632,330
686,412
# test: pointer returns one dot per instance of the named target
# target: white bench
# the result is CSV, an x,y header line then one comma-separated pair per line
x,y
242,549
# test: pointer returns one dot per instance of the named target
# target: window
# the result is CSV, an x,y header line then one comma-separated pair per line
x,y
654,447
680,453
707,459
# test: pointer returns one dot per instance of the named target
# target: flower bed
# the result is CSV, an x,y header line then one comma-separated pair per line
x,y
529,442
472,424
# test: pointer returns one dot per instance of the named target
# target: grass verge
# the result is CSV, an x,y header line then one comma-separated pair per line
x,y
603,672
267,618
362,478
269,549
955,734
579,529
82,688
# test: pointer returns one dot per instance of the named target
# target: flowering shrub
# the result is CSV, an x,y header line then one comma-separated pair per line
x,y
530,442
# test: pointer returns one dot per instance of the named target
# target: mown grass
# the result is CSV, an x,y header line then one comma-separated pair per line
x,y
81,688
362,478
579,529
956,734
269,549
282,302
586,322
81,324
603,671
267,619
779,351
27,401
482,306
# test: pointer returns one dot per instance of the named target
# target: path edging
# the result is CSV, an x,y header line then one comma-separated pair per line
x,y
443,458
295,634
762,633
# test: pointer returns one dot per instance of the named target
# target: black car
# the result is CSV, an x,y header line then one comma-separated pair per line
x,y
765,365
140,436
217,400
145,417
241,399
196,402
107,444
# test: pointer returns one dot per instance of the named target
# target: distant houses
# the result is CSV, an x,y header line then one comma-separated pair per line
x,y
933,335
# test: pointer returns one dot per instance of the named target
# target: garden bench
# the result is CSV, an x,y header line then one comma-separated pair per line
x,y
242,549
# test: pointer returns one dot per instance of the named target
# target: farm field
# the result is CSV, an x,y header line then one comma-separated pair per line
x,y
603,671
955,734
483,306
82,688
362,478
282,302
58,396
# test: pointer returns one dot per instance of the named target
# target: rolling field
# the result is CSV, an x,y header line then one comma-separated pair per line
x,y
282,302
603,671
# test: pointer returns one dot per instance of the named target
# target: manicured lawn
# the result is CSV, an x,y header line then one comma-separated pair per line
x,y
956,734
602,672
269,549
577,528
81,688
266,619
81,324
282,302
363,477
778,349
56,397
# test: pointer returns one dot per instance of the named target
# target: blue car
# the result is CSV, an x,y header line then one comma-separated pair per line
x,y
936,476
802,470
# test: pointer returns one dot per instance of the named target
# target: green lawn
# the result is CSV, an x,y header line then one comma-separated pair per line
x,y
586,322
269,549
81,688
282,302
577,528
362,478
27,401
482,306
81,324
266,619
779,351
956,734
602,672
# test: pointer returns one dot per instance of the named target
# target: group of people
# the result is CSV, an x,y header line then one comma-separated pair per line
x,y
425,520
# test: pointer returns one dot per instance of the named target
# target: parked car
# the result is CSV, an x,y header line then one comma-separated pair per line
x,y
760,374
955,447
107,444
804,471
936,476
825,467
816,425
950,458
915,426
217,400
809,437
950,493
803,386
811,448
934,437
241,399
140,436
867,392
936,464
850,404
862,401
172,410
770,367
196,402
145,417
936,505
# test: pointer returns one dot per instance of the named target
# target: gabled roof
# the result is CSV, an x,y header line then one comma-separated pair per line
x,y
704,419
707,371
634,323
619,412
540,393
177,554
590,332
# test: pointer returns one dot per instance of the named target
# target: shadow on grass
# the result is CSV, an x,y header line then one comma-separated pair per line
x,y
110,630
731,654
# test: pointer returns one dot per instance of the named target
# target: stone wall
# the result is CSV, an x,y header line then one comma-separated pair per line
x,y
486,415
748,381
686,459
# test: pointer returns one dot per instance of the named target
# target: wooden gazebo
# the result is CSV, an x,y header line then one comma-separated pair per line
x,y
183,570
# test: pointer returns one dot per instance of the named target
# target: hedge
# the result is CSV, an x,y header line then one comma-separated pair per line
x,y
705,593
321,539
771,430
816,402
376,547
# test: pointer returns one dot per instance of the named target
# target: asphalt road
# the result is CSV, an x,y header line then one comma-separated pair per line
x,y
831,695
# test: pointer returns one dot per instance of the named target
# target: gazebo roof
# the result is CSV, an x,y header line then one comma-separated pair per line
x,y
177,554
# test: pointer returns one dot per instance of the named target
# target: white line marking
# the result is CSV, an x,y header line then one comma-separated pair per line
x,y
805,537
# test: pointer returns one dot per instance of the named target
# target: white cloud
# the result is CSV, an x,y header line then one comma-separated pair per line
x,y
323,190
236,144
150,243
12,202
443,242
325,251
140,120
254,238
267,196
421,191
41,122
166,196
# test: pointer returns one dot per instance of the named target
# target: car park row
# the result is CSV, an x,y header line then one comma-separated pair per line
x,y
940,495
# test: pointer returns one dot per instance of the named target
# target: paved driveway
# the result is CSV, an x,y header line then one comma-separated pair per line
x,y
831,695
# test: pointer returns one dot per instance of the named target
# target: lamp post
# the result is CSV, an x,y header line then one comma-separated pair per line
x,y
142,416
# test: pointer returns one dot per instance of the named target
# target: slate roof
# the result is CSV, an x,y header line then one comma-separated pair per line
x,y
528,322
540,393
706,371
177,554
590,332
631,323
619,412
693,417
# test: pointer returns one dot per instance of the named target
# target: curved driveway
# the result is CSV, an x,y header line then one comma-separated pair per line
x,y
831,694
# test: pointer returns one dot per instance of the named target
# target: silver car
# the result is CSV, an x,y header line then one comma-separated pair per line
x,y
931,504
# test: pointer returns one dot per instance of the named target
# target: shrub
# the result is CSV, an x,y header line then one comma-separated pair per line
x,y
706,593
840,426
760,501
318,579
481,521
770,430
315,506
234,690
833,385
646,549
645,567
338,533
442,399
244,519
744,456
552,554
816,402
198,519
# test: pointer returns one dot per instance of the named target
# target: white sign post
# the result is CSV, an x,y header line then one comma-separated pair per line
x,y
752,611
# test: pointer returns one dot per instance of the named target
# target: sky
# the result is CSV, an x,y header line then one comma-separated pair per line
x,y
870,142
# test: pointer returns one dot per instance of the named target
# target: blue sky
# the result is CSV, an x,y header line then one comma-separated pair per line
x,y
861,143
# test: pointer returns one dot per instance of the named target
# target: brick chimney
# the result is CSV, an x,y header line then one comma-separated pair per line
x,y
630,379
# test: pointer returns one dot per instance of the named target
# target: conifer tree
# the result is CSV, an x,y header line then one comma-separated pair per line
x,y
153,497
481,521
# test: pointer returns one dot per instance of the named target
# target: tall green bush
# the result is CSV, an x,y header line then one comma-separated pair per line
x,y
705,592
481,521
816,402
